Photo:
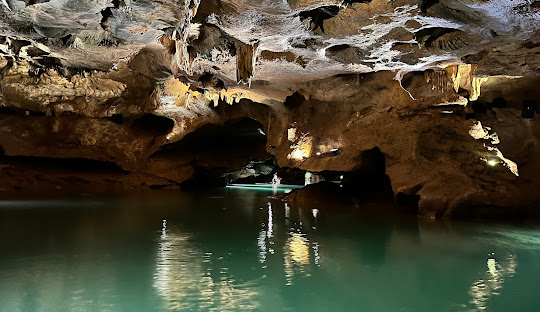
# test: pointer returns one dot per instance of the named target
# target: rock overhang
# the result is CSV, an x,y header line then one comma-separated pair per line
x,y
353,76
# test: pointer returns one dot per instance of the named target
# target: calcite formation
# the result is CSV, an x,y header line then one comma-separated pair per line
x,y
142,94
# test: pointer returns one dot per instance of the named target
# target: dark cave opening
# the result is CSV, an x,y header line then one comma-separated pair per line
x,y
148,123
408,202
116,118
499,102
72,165
369,179
20,111
235,153
222,153
364,185
43,177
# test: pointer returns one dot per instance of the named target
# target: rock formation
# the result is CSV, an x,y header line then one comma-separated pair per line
x,y
124,94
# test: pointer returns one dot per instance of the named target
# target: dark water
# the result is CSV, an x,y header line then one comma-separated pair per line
x,y
236,250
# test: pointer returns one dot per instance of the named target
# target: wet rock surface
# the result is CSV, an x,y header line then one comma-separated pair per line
x,y
198,93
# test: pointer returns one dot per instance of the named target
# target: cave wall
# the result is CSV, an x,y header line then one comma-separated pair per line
x,y
325,125
436,86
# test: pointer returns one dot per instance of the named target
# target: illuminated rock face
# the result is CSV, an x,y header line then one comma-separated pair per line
x,y
132,83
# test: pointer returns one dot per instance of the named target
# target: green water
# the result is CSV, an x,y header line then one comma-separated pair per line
x,y
237,250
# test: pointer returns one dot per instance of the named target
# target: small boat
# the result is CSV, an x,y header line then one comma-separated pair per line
x,y
266,186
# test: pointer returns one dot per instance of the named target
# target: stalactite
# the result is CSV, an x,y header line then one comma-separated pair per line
x,y
245,61
463,77
184,53
475,87
439,80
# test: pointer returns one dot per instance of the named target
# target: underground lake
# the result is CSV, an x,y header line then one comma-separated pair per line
x,y
236,249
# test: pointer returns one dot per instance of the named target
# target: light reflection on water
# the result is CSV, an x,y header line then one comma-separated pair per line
x,y
239,251
492,280
295,256
186,280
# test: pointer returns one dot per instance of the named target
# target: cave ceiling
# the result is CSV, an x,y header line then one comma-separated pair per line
x,y
274,44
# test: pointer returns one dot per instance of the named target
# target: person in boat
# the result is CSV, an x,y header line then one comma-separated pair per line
x,y
276,180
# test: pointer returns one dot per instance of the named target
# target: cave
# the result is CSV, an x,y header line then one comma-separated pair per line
x,y
218,151
299,155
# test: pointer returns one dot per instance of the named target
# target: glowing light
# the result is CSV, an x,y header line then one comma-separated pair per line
x,y
512,166
478,132
492,162
298,246
302,149
298,154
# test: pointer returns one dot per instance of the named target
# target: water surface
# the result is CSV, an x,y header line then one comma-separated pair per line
x,y
237,250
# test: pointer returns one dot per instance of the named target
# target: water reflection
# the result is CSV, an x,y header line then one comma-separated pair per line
x,y
241,251
265,236
65,281
316,257
295,256
261,242
287,214
492,281
187,279
299,254
179,271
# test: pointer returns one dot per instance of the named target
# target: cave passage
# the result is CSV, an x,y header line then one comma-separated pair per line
x,y
222,153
